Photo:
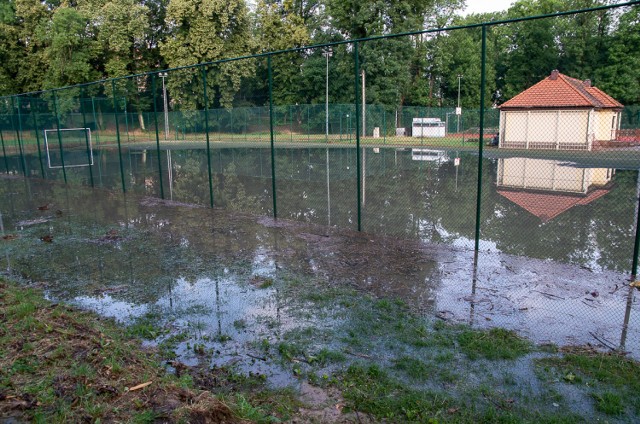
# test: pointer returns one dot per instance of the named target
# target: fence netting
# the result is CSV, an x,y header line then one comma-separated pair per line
x,y
530,184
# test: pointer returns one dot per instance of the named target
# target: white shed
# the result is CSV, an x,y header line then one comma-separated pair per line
x,y
427,127
560,113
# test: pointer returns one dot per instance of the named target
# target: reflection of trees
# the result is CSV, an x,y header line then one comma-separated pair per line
x,y
234,195
190,176
403,197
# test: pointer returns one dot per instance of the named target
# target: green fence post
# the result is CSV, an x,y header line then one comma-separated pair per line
x,y
206,131
384,126
95,120
86,138
23,161
636,245
155,119
308,125
481,135
115,115
34,113
126,119
55,112
356,68
4,152
273,163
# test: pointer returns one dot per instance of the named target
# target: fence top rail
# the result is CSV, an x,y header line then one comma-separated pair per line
x,y
336,43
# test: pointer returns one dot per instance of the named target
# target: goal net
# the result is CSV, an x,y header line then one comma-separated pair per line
x,y
68,147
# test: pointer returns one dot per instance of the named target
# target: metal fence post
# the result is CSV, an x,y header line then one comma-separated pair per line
x,y
95,120
34,113
206,131
126,119
115,115
636,245
273,164
4,152
481,135
55,111
356,68
23,162
155,119
86,138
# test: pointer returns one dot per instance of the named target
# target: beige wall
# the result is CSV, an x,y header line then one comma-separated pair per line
x,y
605,124
545,129
549,175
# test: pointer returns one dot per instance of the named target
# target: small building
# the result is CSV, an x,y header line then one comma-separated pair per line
x,y
427,127
560,113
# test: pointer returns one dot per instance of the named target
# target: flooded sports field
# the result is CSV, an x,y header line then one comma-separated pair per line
x,y
299,298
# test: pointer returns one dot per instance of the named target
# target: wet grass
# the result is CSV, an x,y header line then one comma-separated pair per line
x,y
610,379
397,366
496,343
59,364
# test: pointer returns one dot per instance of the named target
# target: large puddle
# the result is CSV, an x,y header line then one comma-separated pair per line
x,y
230,283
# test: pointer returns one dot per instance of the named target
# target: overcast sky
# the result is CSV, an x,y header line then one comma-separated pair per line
x,y
483,6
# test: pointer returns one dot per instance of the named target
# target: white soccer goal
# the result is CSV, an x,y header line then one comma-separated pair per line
x,y
77,147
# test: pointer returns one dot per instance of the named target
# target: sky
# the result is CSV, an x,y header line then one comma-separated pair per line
x,y
483,6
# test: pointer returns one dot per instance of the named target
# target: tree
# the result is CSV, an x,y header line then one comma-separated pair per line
x,y
204,31
122,30
618,76
70,49
281,28
10,53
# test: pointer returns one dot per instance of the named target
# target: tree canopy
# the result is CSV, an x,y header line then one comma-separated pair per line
x,y
53,43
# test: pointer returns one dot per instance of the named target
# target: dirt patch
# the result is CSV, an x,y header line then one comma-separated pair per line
x,y
325,405
206,409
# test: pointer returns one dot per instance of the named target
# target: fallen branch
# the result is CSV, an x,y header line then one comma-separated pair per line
x,y
603,341
589,304
549,294
359,355
139,386
262,358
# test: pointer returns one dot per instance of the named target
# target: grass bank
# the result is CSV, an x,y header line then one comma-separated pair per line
x,y
61,365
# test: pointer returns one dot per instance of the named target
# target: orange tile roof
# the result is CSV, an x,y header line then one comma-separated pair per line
x,y
547,206
562,91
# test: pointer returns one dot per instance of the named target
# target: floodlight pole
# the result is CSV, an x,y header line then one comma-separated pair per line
x,y
458,114
164,75
327,53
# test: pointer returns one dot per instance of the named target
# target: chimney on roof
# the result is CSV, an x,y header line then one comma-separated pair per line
x,y
554,75
587,83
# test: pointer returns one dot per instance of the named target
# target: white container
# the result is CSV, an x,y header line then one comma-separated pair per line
x,y
428,127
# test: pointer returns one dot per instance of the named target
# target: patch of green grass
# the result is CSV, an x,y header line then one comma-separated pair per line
x,y
609,403
146,327
327,356
496,343
289,351
414,368
370,389
240,324
608,378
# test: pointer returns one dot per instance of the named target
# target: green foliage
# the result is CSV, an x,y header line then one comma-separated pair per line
x,y
496,343
203,31
610,378
45,44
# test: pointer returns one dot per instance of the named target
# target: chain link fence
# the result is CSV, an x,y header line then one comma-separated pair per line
x,y
548,174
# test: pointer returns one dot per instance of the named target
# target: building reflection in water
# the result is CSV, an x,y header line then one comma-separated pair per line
x,y
548,188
